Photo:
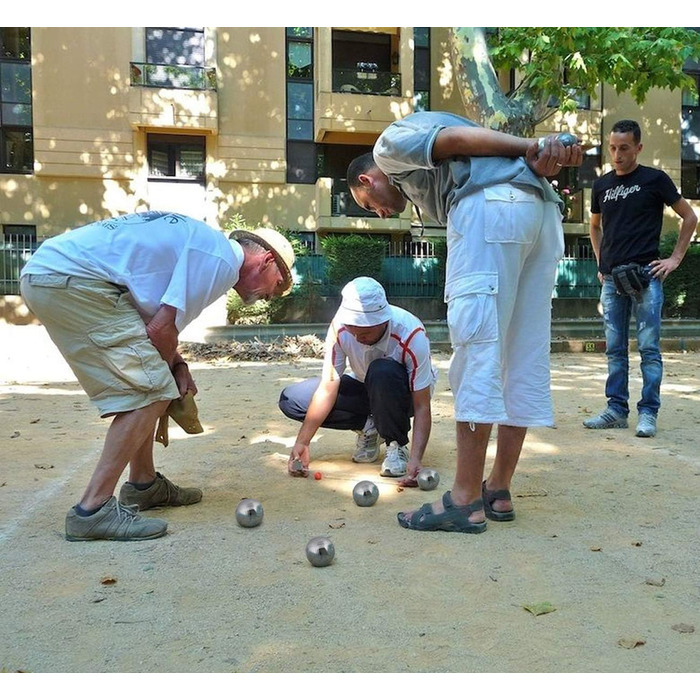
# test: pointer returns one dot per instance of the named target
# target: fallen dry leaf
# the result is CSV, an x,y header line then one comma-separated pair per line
x,y
655,582
637,544
539,608
683,628
399,488
15,434
336,526
596,549
108,580
631,643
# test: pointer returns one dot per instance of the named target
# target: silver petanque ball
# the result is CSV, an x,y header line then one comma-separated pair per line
x,y
249,513
428,479
320,551
365,493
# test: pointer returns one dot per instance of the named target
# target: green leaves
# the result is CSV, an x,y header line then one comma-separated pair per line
x,y
633,59
351,256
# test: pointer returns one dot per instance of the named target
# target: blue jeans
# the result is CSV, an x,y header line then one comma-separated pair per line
x,y
617,310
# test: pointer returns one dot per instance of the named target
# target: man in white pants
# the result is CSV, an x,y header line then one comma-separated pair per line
x,y
504,239
113,296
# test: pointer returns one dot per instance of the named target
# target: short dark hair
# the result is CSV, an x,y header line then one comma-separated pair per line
x,y
625,126
359,166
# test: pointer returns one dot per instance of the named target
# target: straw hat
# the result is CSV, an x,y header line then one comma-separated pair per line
x,y
278,245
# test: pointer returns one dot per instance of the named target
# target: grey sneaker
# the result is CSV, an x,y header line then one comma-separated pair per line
x,y
367,445
646,426
396,460
114,521
607,419
162,492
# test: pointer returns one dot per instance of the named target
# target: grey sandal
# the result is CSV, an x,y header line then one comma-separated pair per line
x,y
500,495
452,519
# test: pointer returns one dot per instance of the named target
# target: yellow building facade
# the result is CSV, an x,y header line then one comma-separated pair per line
x,y
260,123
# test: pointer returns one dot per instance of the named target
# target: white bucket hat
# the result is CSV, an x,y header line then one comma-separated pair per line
x,y
278,245
363,303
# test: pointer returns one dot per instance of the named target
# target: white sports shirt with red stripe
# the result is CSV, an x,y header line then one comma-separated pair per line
x,y
405,341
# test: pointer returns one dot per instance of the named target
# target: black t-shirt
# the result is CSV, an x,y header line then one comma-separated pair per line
x,y
632,208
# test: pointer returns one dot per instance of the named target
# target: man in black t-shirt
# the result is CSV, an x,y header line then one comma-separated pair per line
x,y
627,208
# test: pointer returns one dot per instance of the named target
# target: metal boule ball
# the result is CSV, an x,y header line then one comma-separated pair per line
x,y
249,513
428,479
297,466
365,493
320,551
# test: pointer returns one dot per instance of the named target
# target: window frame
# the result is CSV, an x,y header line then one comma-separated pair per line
x,y
7,129
296,143
174,144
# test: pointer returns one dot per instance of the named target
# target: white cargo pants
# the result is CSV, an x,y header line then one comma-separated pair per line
x,y
503,246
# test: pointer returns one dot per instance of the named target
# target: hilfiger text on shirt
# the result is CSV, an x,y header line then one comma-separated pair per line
x,y
620,192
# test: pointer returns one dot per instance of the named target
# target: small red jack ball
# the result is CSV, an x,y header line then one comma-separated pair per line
x,y
318,476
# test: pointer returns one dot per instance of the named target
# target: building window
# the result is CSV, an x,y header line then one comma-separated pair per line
x,y
690,137
366,63
421,69
301,149
23,233
300,53
175,46
582,99
17,243
16,134
175,157
300,111
175,58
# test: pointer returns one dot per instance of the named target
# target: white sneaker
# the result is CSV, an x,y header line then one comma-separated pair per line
x,y
367,445
396,460
646,427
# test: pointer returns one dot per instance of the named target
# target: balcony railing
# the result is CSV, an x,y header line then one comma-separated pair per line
x,y
169,76
363,82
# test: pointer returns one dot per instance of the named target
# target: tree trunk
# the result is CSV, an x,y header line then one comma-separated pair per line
x,y
477,82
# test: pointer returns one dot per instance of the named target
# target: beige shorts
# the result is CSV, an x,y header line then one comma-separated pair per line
x,y
103,338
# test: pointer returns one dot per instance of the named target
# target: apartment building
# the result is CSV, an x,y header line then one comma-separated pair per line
x,y
257,122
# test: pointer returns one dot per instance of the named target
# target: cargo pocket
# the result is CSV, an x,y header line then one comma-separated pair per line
x,y
512,215
126,351
472,316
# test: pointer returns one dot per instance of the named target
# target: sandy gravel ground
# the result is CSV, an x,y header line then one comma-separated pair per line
x,y
606,533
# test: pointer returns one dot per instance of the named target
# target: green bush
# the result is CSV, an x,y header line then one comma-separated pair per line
x,y
304,299
237,313
682,286
353,256
440,252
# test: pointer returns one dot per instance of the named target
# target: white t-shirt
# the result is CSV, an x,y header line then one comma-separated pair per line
x,y
405,341
160,257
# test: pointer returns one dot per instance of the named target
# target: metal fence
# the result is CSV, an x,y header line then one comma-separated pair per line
x,y
409,269
412,269
15,250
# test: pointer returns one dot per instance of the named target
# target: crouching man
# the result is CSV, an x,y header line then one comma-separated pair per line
x,y
390,380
